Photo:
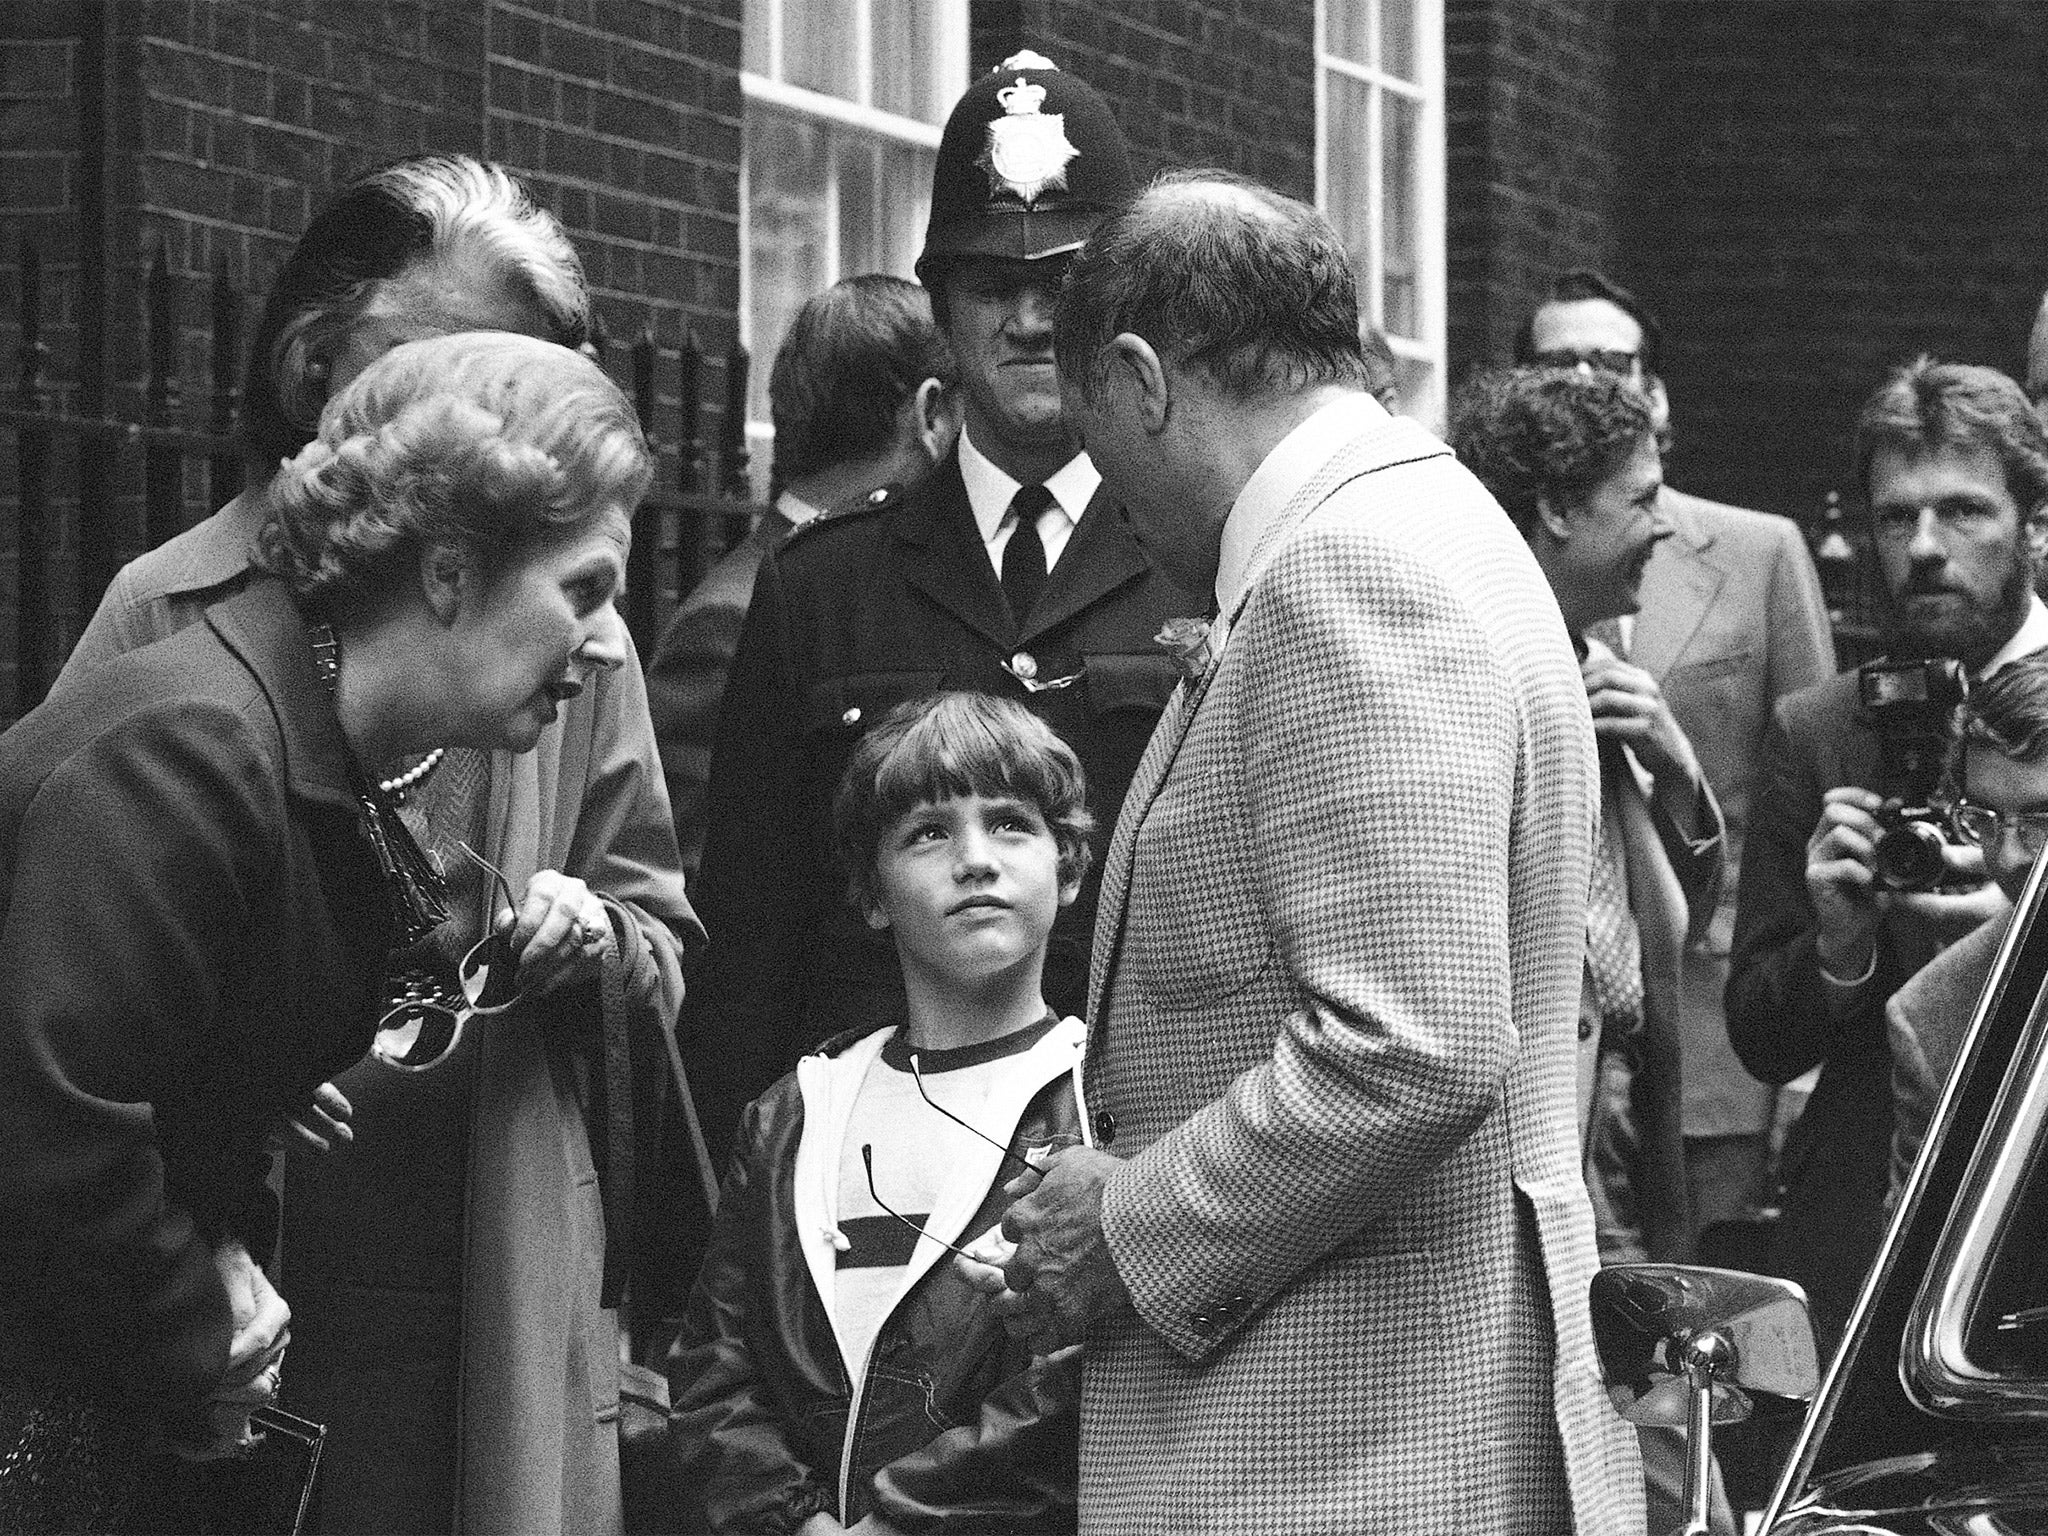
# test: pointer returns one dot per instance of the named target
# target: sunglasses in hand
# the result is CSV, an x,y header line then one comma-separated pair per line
x,y
424,1023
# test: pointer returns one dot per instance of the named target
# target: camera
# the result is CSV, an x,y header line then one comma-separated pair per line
x,y
1911,706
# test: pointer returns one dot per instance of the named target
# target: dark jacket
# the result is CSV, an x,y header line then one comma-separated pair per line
x,y
1783,1019
194,938
955,1427
857,612
686,676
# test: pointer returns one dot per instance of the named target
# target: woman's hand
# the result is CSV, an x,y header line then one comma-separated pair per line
x,y
560,932
317,1125
262,1329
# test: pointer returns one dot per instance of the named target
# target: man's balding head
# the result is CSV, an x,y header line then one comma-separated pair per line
x,y
1219,274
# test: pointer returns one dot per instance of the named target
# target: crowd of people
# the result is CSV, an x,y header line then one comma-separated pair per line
x,y
1208,911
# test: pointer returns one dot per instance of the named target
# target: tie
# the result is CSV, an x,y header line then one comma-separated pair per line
x,y
1024,555
1614,948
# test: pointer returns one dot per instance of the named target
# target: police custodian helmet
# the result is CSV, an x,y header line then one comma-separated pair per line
x,y
1030,162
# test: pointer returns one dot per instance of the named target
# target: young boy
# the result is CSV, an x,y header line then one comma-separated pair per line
x,y
835,1372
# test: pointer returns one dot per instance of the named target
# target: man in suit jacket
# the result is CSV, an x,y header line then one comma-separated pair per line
x,y
862,398
1732,619
1954,465
1332,1269
1007,570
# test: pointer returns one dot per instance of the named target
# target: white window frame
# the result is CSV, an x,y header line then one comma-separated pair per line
x,y
1431,347
770,90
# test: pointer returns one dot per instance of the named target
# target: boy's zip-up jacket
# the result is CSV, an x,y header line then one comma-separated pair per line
x,y
947,1424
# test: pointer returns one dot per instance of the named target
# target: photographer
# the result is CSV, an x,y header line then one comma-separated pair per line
x,y
1954,467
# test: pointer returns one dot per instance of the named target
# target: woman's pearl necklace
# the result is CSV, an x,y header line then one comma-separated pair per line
x,y
414,774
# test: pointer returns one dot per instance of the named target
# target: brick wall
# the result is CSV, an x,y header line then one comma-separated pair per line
x,y
1815,192
229,122
1531,176
1190,83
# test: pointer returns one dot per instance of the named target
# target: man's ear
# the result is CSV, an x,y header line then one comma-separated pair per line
x,y
2037,537
447,580
877,918
1132,359
936,411
1069,889
1551,519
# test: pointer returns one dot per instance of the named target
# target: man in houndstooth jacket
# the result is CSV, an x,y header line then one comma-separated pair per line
x,y
1332,1266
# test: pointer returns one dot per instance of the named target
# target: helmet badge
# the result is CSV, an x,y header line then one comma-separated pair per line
x,y
1028,148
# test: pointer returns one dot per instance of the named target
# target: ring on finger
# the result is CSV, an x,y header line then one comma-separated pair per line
x,y
587,933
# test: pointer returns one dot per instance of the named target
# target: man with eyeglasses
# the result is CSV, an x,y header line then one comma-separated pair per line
x,y
1007,571
1732,620
2000,767
1954,466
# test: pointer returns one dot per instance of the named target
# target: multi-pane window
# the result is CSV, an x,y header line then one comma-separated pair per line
x,y
1380,173
845,100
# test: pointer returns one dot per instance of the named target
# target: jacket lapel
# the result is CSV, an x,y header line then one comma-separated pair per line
x,y
1116,866
1679,587
1101,556
261,625
942,556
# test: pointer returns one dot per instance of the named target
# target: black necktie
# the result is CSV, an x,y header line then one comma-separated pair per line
x,y
1024,555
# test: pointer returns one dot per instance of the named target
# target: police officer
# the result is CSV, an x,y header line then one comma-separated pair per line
x,y
1007,570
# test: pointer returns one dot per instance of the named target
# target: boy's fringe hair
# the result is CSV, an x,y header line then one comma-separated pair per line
x,y
949,744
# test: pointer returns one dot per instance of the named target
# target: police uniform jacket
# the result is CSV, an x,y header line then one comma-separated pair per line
x,y
858,612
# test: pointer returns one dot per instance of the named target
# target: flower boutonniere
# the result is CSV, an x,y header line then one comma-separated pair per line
x,y
1192,643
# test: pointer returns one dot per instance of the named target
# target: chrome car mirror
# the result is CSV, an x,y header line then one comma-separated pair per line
x,y
1684,1345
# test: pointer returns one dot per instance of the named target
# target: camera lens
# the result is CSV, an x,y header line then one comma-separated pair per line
x,y
1908,856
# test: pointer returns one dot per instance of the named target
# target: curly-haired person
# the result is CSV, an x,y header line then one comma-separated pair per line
x,y
208,889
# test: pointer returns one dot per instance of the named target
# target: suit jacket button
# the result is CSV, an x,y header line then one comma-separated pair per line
x,y
1585,1029
851,717
1105,1127
1203,1323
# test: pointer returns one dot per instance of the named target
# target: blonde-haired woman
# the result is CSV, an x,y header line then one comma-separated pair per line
x,y
213,896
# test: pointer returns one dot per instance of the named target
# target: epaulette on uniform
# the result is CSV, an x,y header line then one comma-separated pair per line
x,y
880,499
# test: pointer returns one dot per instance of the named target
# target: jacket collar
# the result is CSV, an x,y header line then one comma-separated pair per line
x,y
829,1085
216,550
942,555
1679,588
264,629
1102,555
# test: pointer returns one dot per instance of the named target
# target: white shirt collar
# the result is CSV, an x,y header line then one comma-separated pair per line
x,y
2031,636
1279,477
989,489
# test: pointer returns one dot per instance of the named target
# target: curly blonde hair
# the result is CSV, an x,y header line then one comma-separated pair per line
x,y
474,443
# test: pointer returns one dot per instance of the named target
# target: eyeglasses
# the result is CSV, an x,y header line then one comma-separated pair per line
x,y
490,971
1982,825
867,1158
1607,360
423,1024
